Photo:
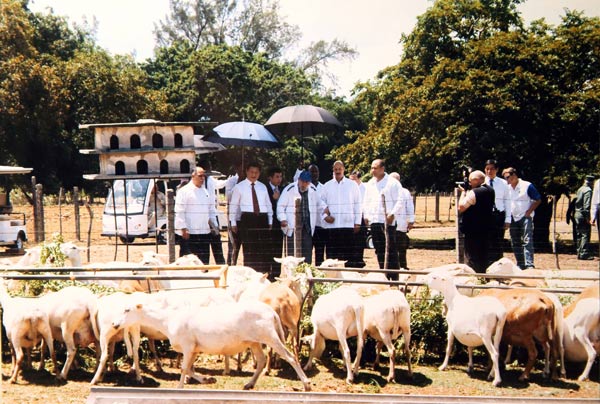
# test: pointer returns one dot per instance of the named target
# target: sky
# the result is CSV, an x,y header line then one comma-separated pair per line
x,y
372,27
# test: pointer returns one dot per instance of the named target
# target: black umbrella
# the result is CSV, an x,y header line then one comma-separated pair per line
x,y
302,120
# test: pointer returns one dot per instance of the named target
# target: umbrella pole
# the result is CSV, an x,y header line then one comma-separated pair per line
x,y
302,142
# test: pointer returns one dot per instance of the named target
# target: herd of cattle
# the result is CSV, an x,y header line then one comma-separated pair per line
x,y
252,312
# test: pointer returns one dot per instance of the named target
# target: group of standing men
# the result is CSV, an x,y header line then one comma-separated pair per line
x,y
334,216
492,206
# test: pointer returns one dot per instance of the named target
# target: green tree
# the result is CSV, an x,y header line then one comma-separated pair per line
x,y
255,26
528,97
53,78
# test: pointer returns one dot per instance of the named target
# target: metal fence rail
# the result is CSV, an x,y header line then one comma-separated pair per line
x,y
105,395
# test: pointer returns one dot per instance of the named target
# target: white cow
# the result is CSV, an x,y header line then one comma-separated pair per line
x,y
223,330
582,329
68,310
338,315
387,315
551,278
26,323
474,321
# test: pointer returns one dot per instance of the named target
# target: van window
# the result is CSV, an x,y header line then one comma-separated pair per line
x,y
135,196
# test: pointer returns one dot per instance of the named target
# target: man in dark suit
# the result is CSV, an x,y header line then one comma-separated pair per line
x,y
476,207
251,214
274,188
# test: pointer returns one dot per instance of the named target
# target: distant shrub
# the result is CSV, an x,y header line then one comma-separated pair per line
x,y
428,327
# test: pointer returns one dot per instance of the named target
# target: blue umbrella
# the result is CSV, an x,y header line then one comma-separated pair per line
x,y
243,134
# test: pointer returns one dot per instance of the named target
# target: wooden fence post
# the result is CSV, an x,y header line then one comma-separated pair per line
x,y
77,218
33,200
170,205
298,228
60,197
437,206
460,238
89,233
39,213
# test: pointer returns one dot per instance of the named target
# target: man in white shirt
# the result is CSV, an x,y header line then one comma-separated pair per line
x,y
320,235
213,185
405,222
233,240
251,209
312,208
360,239
501,214
378,216
342,197
524,200
195,217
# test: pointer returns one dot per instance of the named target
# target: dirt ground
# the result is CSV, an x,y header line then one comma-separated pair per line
x,y
432,243
431,246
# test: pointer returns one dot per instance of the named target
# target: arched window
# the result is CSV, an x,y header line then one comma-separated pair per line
x,y
157,141
164,167
135,142
184,167
119,168
142,167
114,142
178,140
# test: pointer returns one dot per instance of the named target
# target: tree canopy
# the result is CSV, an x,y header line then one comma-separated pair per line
x,y
475,84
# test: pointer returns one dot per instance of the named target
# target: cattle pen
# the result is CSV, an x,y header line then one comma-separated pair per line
x,y
194,394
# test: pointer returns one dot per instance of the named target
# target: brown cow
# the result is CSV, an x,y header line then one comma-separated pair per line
x,y
530,317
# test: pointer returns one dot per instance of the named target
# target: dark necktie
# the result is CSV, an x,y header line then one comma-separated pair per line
x,y
492,182
255,206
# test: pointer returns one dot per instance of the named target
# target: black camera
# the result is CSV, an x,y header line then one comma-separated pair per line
x,y
466,171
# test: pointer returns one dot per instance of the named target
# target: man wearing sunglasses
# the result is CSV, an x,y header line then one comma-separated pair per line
x,y
524,199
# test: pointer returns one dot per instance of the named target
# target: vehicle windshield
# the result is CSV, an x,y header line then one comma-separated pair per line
x,y
135,194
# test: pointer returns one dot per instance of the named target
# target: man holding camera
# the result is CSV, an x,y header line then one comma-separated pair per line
x,y
476,221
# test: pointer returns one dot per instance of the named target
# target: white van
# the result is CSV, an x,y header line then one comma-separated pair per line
x,y
146,214
13,231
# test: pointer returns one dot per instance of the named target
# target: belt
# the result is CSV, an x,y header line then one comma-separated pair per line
x,y
252,213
